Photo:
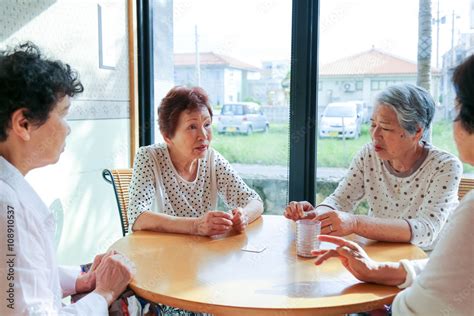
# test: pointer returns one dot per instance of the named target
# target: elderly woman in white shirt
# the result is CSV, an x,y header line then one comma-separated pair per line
x,y
410,185
34,100
176,184
442,284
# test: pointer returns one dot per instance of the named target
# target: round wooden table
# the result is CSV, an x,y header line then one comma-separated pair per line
x,y
214,275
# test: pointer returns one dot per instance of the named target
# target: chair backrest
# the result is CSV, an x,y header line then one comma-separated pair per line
x,y
466,185
120,180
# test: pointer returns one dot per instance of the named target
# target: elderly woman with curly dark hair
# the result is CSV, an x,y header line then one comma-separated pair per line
x,y
35,97
176,184
442,284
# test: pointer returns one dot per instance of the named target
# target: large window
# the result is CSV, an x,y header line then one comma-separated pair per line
x,y
239,52
357,57
361,54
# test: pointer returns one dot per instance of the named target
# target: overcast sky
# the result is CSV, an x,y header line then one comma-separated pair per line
x,y
258,30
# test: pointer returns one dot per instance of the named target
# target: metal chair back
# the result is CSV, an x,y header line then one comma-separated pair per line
x,y
120,180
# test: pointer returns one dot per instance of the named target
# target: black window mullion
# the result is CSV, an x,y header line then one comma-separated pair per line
x,y
146,101
303,100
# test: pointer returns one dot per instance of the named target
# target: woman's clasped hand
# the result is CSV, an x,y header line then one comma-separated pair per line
x,y
218,222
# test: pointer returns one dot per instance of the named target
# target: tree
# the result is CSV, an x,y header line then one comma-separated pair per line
x,y
424,45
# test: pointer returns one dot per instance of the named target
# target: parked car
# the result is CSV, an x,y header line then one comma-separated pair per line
x,y
362,110
242,117
341,119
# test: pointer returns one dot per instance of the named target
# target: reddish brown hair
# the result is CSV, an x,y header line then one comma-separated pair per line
x,y
178,100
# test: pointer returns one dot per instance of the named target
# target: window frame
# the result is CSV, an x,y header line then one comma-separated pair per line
x,y
303,99
145,61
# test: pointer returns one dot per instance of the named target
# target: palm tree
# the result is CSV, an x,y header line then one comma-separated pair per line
x,y
424,45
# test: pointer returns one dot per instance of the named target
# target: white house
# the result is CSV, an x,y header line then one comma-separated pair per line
x,y
363,76
223,77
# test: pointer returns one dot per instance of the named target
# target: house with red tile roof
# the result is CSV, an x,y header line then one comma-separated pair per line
x,y
223,77
363,76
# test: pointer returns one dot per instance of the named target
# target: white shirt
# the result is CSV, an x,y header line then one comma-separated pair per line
x,y
423,197
445,285
31,282
156,185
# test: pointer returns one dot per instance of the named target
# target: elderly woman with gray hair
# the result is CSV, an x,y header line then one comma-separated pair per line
x,y
410,185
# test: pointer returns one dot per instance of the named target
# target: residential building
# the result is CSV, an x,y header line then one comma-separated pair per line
x,y
453,57
270,89
224,78
363,76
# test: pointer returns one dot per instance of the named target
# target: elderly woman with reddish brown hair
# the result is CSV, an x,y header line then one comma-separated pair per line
x,y
176,184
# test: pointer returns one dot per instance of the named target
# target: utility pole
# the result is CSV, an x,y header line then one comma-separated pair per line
x,y
454,17
439,20
198,62
452,40
437,37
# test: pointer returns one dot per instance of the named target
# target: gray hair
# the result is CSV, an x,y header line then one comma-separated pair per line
x,y
414,107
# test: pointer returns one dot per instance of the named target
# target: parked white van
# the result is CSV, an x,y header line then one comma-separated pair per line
x,y
341,119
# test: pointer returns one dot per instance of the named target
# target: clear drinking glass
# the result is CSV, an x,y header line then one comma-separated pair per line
x,y
307,231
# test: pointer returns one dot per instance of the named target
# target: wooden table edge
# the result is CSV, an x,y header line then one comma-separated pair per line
x,y
216,309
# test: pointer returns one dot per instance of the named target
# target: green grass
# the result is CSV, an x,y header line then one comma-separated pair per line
x,y
339,152
443,139
269,148
272,148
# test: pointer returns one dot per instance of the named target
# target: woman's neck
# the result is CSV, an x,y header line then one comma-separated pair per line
x,y
14,157
408,159
186,168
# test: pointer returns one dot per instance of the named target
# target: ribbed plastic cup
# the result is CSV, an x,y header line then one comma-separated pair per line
x,y
307,231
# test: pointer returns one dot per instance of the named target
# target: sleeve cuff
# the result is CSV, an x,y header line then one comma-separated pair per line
x,y
327,205
91,304
411,274
67,278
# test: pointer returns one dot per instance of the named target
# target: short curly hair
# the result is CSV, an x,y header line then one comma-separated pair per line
x,y
176,101
30,81
463,80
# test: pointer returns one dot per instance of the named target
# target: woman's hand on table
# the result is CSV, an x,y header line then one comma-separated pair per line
x,y
299,210
336,223
213,223
354,258
113,275
333,222
240,219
